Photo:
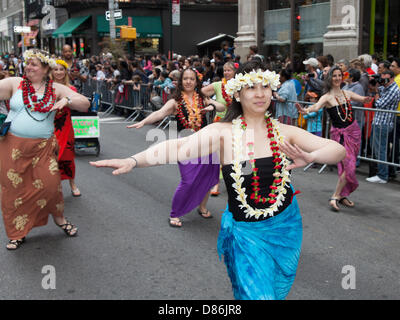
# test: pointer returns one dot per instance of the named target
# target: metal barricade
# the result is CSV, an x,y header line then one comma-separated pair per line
x,y
380,140
384,149
379,143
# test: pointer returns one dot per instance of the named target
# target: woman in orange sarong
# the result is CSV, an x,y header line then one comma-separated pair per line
x,y
29,175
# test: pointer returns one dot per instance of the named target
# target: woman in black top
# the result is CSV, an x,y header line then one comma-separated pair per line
x,y
344,130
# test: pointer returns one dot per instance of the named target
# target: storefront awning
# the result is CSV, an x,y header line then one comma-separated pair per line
x,y
311,40
69,26
217,38
276,43
146,27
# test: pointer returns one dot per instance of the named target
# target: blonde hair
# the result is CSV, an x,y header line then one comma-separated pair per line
x,y
67,81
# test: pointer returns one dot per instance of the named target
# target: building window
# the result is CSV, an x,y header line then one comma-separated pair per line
x,y
4,5
310,21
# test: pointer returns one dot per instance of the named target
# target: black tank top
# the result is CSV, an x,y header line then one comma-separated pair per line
x,y
265,170
337,122
180,126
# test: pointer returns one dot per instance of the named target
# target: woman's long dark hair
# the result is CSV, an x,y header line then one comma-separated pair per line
x,y
235,109
328,81
178,92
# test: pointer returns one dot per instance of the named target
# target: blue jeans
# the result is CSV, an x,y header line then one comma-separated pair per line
x,y
380,140
361,125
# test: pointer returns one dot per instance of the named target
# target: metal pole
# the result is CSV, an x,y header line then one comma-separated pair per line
x,y
112,20
372,28
23,43
292,31
361,29
170,29
385,37
22,35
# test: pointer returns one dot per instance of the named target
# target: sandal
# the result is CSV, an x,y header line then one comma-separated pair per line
x,y
204,213
15,243
346,202
332,207
214,193
76,192
175,223
69,229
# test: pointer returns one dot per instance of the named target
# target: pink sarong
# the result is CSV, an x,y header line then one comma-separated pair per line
x,y
350,138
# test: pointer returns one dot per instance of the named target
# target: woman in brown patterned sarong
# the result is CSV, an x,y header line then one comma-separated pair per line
x,y
29,175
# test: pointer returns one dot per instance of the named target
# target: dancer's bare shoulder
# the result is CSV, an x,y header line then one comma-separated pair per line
x,y
288,131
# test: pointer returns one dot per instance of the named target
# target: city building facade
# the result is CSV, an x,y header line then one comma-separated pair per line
x,y
83,24
297,29
11,14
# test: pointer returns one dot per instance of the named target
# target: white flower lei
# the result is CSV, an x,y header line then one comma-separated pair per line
x,y
29,54
267,78
238,131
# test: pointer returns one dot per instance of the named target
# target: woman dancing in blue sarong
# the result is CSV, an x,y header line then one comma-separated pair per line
x,y
261,228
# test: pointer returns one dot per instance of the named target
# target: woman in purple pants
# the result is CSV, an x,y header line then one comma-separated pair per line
x,y
199,175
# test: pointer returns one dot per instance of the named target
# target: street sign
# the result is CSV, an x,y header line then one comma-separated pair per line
x,y
176,13
117,14
22,29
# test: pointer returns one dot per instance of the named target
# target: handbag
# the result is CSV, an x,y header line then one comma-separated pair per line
x,y
4,126
3,118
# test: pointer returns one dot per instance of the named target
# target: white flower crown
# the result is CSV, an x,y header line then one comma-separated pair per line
x,y
267,78
29,54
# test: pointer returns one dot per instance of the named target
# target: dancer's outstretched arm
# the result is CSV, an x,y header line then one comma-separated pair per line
x,y
315,107
208,90
167,110
356,97
199,144
304,148
170,107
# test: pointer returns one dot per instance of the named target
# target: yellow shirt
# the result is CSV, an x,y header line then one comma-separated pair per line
x,y
397,79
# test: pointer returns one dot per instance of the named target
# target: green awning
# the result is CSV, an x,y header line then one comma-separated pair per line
x,y
146,27
69,26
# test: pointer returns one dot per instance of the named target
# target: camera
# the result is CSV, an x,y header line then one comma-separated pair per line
x,y
311,75
377,78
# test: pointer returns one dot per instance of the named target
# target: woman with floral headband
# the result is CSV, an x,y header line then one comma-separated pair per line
x,y
29,174
261,228
218,89
344,130
64,131
189,107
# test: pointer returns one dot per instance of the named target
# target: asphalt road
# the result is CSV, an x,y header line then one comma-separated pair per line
x,y
126,249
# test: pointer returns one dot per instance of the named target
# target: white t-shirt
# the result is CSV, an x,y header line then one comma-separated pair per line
x,y
116,73
100,75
